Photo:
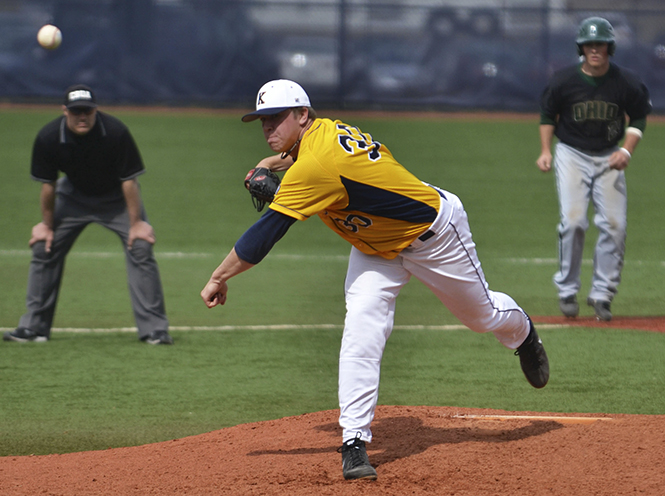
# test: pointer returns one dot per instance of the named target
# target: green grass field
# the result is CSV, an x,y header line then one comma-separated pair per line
x,y
99,389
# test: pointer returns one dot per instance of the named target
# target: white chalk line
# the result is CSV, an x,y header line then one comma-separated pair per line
x,y
275,327
175,255
562,420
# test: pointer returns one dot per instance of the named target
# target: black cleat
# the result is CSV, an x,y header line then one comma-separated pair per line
x,y
601,308
158,337
569,306
533,359
23,335
355,463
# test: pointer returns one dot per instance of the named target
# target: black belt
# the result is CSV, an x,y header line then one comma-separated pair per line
x,y
426,235
591,152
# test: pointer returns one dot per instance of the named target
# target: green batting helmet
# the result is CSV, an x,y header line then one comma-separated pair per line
x,y
595,30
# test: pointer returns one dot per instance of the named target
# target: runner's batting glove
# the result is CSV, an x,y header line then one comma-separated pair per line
x,y
262,184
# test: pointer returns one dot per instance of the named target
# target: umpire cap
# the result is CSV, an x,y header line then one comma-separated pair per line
x,y
276,96
80,95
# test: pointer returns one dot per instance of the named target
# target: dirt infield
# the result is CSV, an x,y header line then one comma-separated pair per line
x,y
655,324
417,450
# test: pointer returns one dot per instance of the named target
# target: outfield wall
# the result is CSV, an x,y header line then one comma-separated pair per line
x,y
367,54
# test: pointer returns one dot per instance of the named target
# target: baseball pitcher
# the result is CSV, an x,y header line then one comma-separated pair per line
x,y
398,227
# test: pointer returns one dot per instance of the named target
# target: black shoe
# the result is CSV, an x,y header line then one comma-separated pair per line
x,y
158,337
569,306
533,359
355,463
23,335
601,308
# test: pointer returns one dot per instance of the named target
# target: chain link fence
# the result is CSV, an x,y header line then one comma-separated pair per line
x,y
416,54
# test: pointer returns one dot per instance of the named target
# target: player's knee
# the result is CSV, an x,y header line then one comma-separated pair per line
x,y
575,219
141,250
577,224
39,251
615,225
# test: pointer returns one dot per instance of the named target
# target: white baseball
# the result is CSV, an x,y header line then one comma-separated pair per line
x,y
49,37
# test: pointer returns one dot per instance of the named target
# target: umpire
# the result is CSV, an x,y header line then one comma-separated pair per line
x,y
101,163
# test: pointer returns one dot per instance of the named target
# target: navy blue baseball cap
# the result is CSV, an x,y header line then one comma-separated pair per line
x,y
277,96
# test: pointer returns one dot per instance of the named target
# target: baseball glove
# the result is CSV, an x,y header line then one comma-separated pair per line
x,y
262,184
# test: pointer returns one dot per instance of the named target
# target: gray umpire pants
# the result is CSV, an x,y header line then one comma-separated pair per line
x,y
73,212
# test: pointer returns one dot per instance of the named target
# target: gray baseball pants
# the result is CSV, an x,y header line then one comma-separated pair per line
x,y
73,212
580,177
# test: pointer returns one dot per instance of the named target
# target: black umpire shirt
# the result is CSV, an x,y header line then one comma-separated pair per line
x,y
95,163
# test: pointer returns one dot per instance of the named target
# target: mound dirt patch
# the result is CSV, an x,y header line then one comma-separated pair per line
x,y
655,323
417,450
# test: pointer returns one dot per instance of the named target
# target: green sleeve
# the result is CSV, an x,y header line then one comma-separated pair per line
x,y
546,119
640,124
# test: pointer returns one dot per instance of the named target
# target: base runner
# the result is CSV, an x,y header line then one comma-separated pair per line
x,y
585,106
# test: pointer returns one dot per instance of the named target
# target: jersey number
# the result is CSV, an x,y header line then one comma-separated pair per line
x,y
353,222
354,139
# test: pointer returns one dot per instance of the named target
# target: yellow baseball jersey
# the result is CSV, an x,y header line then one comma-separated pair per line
x,y
357,188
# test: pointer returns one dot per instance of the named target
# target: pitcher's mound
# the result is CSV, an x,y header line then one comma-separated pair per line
x,y
416,451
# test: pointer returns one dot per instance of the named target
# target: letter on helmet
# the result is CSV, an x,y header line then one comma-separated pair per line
x,y
595,30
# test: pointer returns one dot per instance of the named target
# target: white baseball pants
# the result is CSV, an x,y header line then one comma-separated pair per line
x,y
446,263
